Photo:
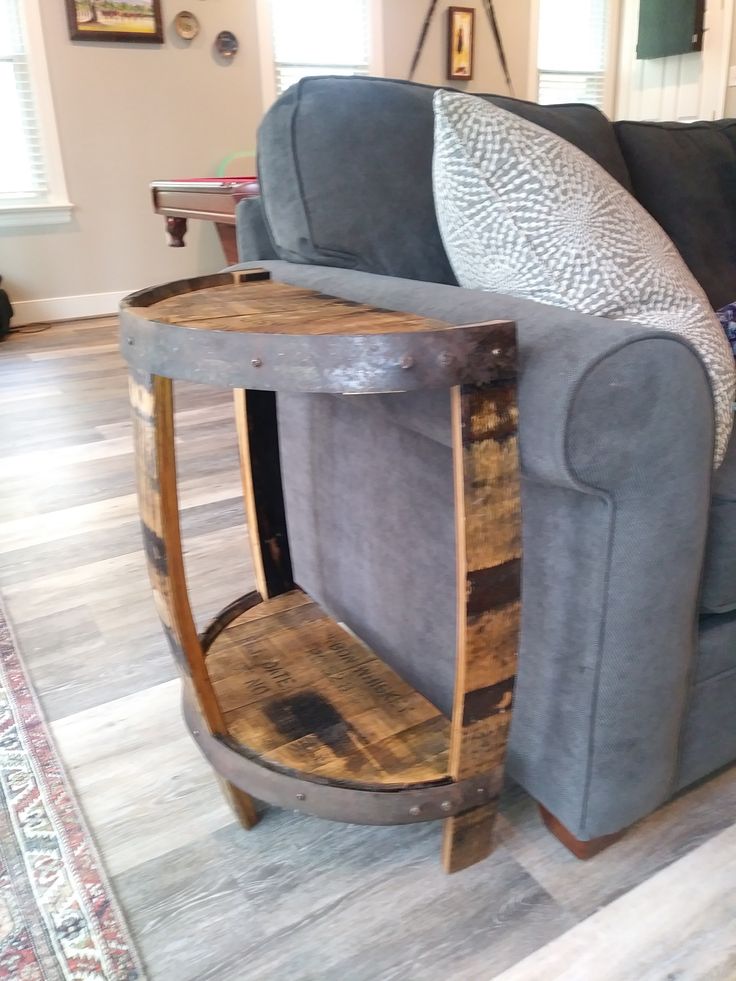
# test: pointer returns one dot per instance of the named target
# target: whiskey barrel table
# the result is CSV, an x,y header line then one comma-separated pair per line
x,y
285,703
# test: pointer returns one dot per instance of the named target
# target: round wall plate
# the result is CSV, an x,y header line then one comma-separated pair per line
x,y
186,25
227,44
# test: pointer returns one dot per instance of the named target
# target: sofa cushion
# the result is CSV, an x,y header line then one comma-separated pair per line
x,y
525,213
685,176
719,574
716,646
345,165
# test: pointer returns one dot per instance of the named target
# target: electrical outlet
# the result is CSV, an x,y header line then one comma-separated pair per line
x,y
732,76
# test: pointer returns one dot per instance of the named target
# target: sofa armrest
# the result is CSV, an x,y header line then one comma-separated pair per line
x,y
616,438
598,398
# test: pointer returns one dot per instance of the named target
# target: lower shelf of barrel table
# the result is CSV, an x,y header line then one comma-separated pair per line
x,y
317,721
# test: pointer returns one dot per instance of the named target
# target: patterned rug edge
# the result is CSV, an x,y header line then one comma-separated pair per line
x,y
92,940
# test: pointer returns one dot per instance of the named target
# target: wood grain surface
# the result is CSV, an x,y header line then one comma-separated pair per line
x,y
488,543
152,407
268,307
301,692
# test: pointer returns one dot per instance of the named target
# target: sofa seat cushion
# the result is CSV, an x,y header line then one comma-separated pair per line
x,y
332,151
685,176
525,213
719,575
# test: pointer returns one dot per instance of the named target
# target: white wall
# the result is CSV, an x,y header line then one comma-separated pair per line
x,y
128,114
730,109
131,113
402,21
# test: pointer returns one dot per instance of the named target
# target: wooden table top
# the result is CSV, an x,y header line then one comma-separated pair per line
x,y
269,307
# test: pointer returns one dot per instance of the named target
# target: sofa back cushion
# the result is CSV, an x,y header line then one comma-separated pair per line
x,y
345,165
685,176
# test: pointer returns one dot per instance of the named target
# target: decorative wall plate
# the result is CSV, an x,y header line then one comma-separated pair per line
x,y
186,25
226,44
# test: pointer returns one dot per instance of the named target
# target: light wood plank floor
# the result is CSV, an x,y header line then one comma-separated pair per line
x,y
296,898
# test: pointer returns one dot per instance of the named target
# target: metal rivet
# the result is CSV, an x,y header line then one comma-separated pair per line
x,y
301,796
406,362
415,811
481,791
446,805
195,732
496,352
445,358
256,362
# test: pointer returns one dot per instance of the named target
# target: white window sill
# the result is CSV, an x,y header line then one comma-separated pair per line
x,y
21,215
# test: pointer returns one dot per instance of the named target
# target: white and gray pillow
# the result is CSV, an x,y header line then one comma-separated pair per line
x,y
524,212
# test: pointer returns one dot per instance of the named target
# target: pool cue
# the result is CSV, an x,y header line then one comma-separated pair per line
x,y
499,43
422,38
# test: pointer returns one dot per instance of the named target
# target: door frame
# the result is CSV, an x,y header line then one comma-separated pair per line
x,y
714,90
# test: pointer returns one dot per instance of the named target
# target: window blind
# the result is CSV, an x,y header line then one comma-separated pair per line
x,y
322,37
22,167
573,49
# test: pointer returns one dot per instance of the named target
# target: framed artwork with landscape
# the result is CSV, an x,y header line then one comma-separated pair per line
x,y
460,43
115,20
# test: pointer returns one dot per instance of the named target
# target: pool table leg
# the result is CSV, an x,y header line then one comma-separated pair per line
x,y
176,229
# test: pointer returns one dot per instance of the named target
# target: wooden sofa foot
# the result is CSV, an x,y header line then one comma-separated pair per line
x,y
580,849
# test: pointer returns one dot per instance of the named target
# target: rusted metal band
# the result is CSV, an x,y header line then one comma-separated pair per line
x,y
353,364
225,617
352,804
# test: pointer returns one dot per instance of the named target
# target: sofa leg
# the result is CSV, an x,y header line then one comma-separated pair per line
x,y
580,849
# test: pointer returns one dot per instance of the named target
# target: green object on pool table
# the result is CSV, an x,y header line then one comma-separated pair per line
x,y
226,161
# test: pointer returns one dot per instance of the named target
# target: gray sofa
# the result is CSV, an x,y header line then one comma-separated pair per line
x,y
627,672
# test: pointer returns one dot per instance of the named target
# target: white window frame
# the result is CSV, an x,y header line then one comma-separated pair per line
x,y
55,208
265,47
611,72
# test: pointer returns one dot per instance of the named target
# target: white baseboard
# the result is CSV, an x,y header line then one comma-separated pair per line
x,y
66,308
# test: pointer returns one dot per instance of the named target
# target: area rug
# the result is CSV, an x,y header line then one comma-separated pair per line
x,y
58,918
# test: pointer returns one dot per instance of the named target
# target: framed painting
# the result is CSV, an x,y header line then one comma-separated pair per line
x,y
460,43
113,20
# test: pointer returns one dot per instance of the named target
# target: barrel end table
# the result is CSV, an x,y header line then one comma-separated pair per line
x,y
288,705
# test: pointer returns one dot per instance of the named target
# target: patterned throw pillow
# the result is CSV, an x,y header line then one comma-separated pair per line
x,y
524,212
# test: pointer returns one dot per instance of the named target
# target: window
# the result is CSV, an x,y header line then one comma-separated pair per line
x,y
322,37
573,51
22,171
31,181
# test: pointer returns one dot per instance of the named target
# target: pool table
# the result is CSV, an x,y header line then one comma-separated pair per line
x,y
204,198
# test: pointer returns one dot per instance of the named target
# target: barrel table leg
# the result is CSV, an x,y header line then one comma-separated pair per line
x,y
151,399
242,804
263,495
488,530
